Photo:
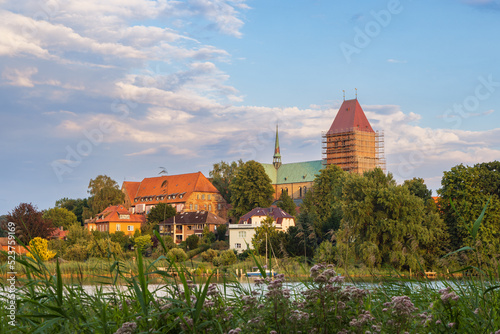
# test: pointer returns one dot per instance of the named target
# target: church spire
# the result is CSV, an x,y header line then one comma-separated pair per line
x,y
277,155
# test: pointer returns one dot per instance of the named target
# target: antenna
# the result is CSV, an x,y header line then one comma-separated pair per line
x,y
343,92
356,93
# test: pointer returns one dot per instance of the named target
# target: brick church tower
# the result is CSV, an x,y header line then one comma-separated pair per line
x,y
351,143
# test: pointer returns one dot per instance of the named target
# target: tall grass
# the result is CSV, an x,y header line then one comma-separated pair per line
x,y
125,301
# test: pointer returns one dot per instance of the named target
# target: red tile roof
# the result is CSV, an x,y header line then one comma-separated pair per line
x,y
59,234
179,187
350,117
112,214
197,217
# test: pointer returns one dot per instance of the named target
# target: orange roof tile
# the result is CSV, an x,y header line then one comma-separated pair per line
x,y
180,186
112,214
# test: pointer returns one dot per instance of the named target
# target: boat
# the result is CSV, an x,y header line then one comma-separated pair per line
x,y
256,273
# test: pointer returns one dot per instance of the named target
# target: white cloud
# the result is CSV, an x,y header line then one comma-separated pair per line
x,y
19,77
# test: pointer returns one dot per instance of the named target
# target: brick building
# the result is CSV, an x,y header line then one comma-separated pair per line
x,y
351,143
185,224
185,192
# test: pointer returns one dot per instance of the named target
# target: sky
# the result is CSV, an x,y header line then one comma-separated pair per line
x,y
127,88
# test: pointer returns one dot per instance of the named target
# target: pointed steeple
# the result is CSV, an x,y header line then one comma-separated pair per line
x,y
277,155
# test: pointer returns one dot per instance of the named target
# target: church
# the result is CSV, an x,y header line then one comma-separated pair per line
x,y
350,143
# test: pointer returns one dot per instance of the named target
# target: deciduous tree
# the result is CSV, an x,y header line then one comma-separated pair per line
x,y
287,204
61,217
250,188
222,175
30,223
104,192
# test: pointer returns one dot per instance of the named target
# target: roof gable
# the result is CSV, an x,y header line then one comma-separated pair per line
x,y
350,117
196,217
154,190
273,211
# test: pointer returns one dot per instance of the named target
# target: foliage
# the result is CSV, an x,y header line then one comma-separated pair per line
x,y
326,253
78,235
122,239
80,207
104,248
61,217
209,255
177,255
208,236
220,233
59,246
264,232
220,245
39,247
161,212
142,243
192,253
222,175
470,188
417,187
104,192
287,204
30,223
384,223
250,188
76,252
225,258
192,241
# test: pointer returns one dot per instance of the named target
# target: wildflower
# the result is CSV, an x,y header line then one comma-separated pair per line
x,y
451,324
476,311
127,328
273,332
438,322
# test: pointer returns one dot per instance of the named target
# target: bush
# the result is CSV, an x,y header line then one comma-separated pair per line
x,y
177,255
76,252
192,242
143,243
194,252
225,258
220,245
39,246
104,248
58,246
326,253
209,255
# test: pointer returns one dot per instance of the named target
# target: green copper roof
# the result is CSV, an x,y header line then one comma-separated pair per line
x,y
294,172
277,144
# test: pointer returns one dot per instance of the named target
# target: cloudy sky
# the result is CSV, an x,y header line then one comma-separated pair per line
x,y
124,87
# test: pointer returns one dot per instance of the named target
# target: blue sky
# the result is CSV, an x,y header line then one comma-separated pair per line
x,y
124,87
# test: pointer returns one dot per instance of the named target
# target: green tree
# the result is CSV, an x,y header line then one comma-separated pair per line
x,y
78,235
177,255
122,239
161,212
287,204
80,207
384,223
61,217
208,236
226,258
142,243
222,175
417,187
30,223
250,188
104,192
470,188
192,241
326,253
265,232
221,232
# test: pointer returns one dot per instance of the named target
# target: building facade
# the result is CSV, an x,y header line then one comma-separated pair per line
x,y
186,224
115,218
185,192
241,234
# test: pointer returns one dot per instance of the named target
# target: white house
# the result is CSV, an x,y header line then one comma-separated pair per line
x,y
242,233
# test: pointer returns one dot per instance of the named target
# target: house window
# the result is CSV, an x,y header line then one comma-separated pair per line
x,y
203,196
209,197
210,207
242,234
197,196
205,206
196,207
130,227
118,227
237,245
124,216
218,206
191,206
